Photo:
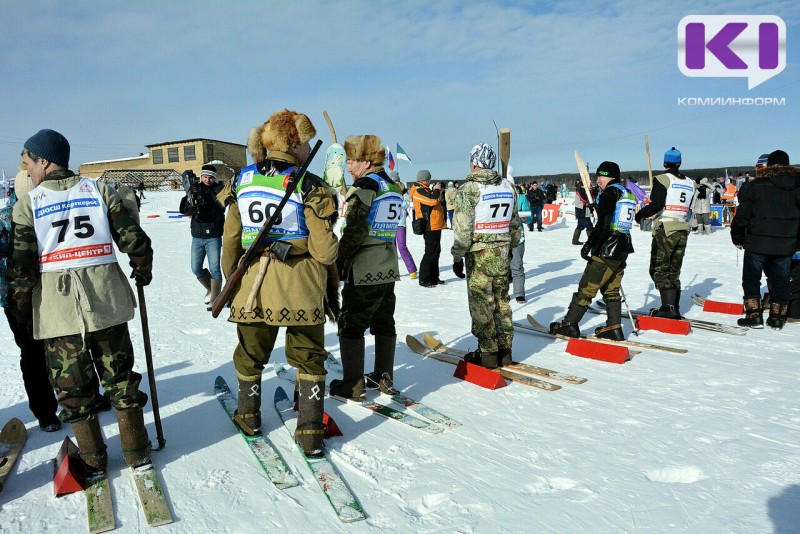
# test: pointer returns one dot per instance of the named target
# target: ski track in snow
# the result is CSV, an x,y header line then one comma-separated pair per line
x,y
707,441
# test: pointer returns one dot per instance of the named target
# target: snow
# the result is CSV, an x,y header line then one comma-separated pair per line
x,y
707,441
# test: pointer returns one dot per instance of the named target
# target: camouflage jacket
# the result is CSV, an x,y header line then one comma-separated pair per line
x,y
79,300
464,218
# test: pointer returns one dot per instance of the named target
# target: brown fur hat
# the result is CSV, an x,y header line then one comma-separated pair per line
x,y
282,131
365,148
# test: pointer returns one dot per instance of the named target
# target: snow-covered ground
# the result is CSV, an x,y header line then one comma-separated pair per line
x,y
707,441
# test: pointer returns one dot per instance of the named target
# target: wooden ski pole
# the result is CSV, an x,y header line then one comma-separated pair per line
x,y
649,165
151,378
628,309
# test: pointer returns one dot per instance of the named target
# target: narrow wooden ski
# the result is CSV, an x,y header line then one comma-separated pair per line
x,y
438,346
268,457
340,497
629,343
12,439
371,405
696,323
99,505
151,495
518,378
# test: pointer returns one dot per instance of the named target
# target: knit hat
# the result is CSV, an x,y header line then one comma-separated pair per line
x,y
23,184
424,176
365,148
394,175
208,170
483,156
608,169
49,145
672,156
283,130
778,157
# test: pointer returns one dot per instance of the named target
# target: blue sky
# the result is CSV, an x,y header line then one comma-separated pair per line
x,y
114,76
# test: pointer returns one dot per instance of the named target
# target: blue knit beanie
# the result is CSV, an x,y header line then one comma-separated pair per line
x,y
673,156
49,145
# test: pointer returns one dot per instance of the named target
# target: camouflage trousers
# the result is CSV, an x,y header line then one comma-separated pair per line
x,y
72,361
487,292
305,348
666,258
600,275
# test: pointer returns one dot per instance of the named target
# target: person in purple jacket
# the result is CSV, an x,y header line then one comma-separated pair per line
x,y
400,237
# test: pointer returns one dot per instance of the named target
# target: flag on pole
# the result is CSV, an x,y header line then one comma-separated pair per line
x,y
401,154
390,158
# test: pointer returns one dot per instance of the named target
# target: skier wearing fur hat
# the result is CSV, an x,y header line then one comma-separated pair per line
x,y
68,289
486,227
605,250
670,200
368,266
287,287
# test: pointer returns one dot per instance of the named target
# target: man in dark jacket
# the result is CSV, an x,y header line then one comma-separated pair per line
x,y
208,221
766,226
606,250
536,198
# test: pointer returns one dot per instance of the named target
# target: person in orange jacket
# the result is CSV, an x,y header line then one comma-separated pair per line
x,y
428,207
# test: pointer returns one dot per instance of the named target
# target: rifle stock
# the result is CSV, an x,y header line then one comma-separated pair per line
x,y
259,244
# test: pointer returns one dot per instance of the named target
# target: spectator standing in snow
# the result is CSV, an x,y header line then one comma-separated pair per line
x,y
486,227
606,250
80,306
701,207
400,239
766,225
670,199
35,374
368,265
550,191
208,222
287,287
450,202
518,252
536,200
428,206
140,188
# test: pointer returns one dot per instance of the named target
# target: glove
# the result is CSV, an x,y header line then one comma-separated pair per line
x,y
586,252
142,274
458,268
638,217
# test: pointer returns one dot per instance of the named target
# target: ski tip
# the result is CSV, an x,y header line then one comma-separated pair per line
x,y
280,395
219,383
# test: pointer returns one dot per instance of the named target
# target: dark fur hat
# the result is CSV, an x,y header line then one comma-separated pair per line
x,y
282,131
365,148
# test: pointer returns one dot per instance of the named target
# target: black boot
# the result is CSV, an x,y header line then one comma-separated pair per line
x,y
484,359
576,236
351,385
669,305
310,431
504,356
248,409
612,332
569,326
777,315
753,317
383,375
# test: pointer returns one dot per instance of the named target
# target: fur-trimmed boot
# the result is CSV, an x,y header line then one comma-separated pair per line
x,y
753,314
91,446
669,304
311,406
133,436
351,385
777,315
248,408
383,375
205,281
215,286
613,328
569,326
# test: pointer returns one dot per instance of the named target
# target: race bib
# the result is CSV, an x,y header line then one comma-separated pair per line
x,y
494,209
624,212
679,199
386,211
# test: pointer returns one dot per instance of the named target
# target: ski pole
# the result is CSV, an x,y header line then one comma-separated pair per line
x,y
628,309
151,378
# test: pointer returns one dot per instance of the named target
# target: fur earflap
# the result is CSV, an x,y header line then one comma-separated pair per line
x,y
365,148
282,131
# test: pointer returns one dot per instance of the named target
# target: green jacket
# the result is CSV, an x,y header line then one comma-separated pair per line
x,y
77,300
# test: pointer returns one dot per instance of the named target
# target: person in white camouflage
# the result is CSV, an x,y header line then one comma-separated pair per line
x,y
486,226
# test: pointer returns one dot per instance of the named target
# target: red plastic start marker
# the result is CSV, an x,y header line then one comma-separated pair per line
x,y
598,351
715,306
662,324
480,376
69,475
